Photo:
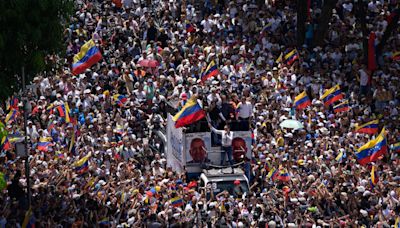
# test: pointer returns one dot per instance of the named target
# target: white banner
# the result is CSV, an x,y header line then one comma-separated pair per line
x,y
175,155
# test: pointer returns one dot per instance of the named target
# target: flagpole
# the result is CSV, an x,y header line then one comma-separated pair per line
x,y
27,168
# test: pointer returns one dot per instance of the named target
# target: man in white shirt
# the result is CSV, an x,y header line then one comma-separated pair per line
x,y
245,112
226,140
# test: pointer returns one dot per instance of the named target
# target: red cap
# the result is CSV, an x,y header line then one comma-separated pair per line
x,y
236,182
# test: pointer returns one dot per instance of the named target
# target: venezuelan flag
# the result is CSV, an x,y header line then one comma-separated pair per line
x,y
210,71
5,144
82,165
44,146
395,55
11,116
29,220
331,95
396,147
104,222
189,114
120,99
177,202
279,59
273,173
87,56
189,27
340,156
284,176
302,101
12,103
267,27
63,111
290,57
342,107
372,150
368,128
374,177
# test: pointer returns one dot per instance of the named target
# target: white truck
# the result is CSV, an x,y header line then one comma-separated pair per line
x,y
194,153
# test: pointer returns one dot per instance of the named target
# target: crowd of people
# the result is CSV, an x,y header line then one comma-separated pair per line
x,y
125,181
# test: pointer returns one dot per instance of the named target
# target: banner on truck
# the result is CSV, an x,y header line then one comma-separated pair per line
x,y
175,155
241,145
197,146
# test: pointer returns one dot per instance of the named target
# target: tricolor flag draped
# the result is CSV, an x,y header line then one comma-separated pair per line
x,y
331,95
211,71
302,101
87,56
372,150
368,128
190,113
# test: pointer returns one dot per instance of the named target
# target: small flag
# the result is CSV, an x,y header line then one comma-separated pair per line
x,y
82,165
284,176
368,128
177,202
372,150
87,56
190,113
120,99
211,71
331,95
29,220
302,101
374,177
291,57
12,103
189,27
279,59
11,116
342,107
396,147
44,146
273,173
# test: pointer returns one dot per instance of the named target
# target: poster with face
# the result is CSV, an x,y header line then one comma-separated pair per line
x,y
197,145
241,145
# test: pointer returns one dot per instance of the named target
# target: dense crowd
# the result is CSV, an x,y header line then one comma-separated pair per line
x,y
127,182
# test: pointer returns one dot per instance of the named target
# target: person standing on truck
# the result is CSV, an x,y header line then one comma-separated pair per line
x,y
226,139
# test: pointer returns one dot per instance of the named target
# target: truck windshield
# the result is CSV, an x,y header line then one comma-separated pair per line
x,y
235,190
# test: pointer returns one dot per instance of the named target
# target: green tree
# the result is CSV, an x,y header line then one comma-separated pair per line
x,y
29,32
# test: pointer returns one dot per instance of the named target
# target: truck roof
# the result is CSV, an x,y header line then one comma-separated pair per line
x,y
223,172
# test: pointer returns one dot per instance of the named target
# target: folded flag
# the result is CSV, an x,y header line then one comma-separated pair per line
x,y
302,101
29,220
290,57
12,103
189,27
104,222
11,116
396,147
273,174
284,176
120,100
211,71
87,56
395,55
340,156
5,144
177,202
82,165
372,150
279,59
374,177
368,128
342,107
331,95
190,113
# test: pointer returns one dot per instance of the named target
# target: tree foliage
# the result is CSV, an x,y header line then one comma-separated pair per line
x,y
30,31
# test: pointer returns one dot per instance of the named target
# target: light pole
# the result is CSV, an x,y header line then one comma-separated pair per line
x,y
27,168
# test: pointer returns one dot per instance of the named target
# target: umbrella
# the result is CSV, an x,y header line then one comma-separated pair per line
x,y
291,124
148,63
